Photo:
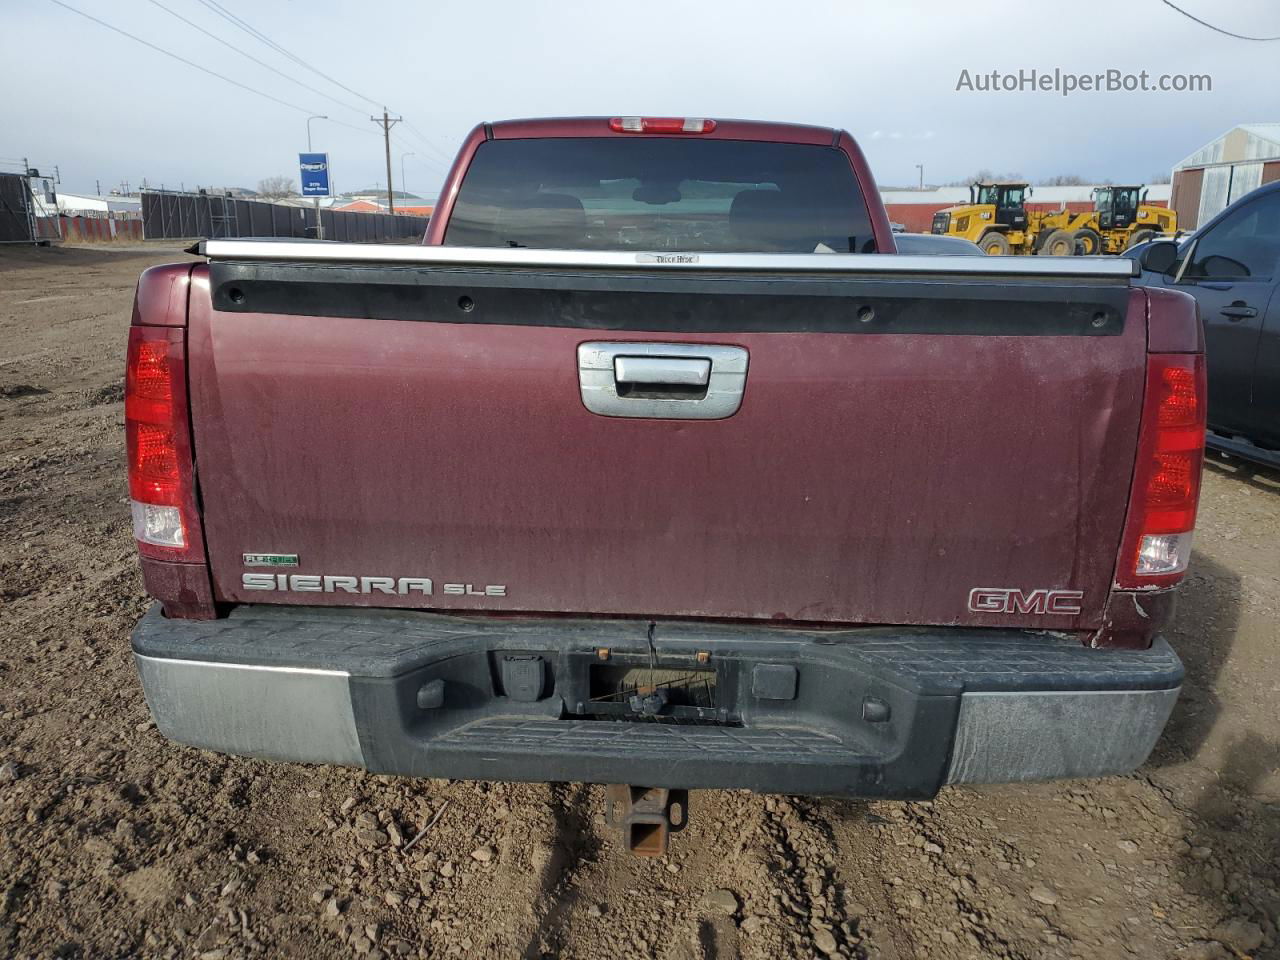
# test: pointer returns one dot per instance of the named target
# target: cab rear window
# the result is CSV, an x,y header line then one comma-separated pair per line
x,y
655,193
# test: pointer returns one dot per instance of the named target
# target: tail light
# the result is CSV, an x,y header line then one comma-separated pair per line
x,y
158,446
661,125
1166,480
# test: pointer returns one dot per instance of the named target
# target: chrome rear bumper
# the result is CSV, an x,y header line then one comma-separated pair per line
x,y
867,712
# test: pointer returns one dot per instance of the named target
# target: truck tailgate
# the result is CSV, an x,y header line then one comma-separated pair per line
x,y
419,431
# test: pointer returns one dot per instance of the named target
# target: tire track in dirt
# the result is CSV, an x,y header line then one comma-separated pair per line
x,y
750,877
556,857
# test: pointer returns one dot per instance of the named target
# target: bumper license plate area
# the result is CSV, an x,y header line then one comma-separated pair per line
x,y
661,691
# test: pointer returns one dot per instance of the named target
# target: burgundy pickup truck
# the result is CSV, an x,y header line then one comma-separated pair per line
x,y
655,466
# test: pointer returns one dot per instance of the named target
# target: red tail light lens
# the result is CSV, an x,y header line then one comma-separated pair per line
x,y
158,445
1166,479
667,125
154,476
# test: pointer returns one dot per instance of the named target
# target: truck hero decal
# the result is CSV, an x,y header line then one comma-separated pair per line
x,y
316,583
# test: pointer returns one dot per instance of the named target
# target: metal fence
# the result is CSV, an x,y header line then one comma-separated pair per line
x,y
23,217
181,216
100,228
15,220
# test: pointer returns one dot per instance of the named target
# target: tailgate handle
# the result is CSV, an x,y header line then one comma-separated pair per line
x,y
676,371
662,381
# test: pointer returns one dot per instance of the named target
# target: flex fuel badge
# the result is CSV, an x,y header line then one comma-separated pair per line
x,y
270,559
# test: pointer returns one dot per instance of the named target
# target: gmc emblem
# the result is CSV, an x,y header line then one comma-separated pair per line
x,y
1006,600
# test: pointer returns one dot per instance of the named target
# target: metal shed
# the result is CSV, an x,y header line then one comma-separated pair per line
x,y
1220,172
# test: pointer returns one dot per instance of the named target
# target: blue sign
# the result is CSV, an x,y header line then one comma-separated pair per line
x,y
315,174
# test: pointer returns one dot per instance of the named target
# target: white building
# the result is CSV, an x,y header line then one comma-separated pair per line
x,y
1223,171
43,192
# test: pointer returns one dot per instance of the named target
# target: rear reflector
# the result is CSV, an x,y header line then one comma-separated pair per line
x,y
661,125
158,446
1166,478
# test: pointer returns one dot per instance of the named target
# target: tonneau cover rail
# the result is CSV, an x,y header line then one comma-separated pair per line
x,y
311,251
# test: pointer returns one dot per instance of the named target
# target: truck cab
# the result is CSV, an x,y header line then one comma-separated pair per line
x,y
1008,201
1121,218
1117,207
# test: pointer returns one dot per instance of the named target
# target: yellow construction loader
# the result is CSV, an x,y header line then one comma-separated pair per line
x,y
1120,218
995,218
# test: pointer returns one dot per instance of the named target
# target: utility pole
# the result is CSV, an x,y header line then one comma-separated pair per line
x,y
29,202
387,122
319,221
404,182
97,185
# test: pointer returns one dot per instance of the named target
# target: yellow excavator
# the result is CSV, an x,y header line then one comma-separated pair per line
x,y
1120,218
996,219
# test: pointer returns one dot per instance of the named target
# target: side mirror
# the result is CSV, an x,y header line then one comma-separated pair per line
x,y
1159,256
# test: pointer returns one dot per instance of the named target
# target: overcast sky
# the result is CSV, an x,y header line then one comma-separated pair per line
x,y
104,107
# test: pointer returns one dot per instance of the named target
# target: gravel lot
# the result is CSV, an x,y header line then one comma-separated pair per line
x,y
117,843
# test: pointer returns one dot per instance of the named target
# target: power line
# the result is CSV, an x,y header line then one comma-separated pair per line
x,y
424,159
189,63
351,126
261,63
443,160
426,139
212,73
425,162
242,24
429,144
429,158
1205,23
262,37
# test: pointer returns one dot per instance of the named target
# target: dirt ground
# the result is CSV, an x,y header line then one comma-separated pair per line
x,y
117,843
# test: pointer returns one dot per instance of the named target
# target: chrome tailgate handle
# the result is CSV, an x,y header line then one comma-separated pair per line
x,y
679,371
672,381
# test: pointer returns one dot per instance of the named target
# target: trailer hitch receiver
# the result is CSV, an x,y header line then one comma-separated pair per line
x,y
647,816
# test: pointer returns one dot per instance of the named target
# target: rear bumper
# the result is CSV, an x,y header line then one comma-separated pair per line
x,y
867,712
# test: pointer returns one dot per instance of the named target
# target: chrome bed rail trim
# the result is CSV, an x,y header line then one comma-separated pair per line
x,y
310,251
